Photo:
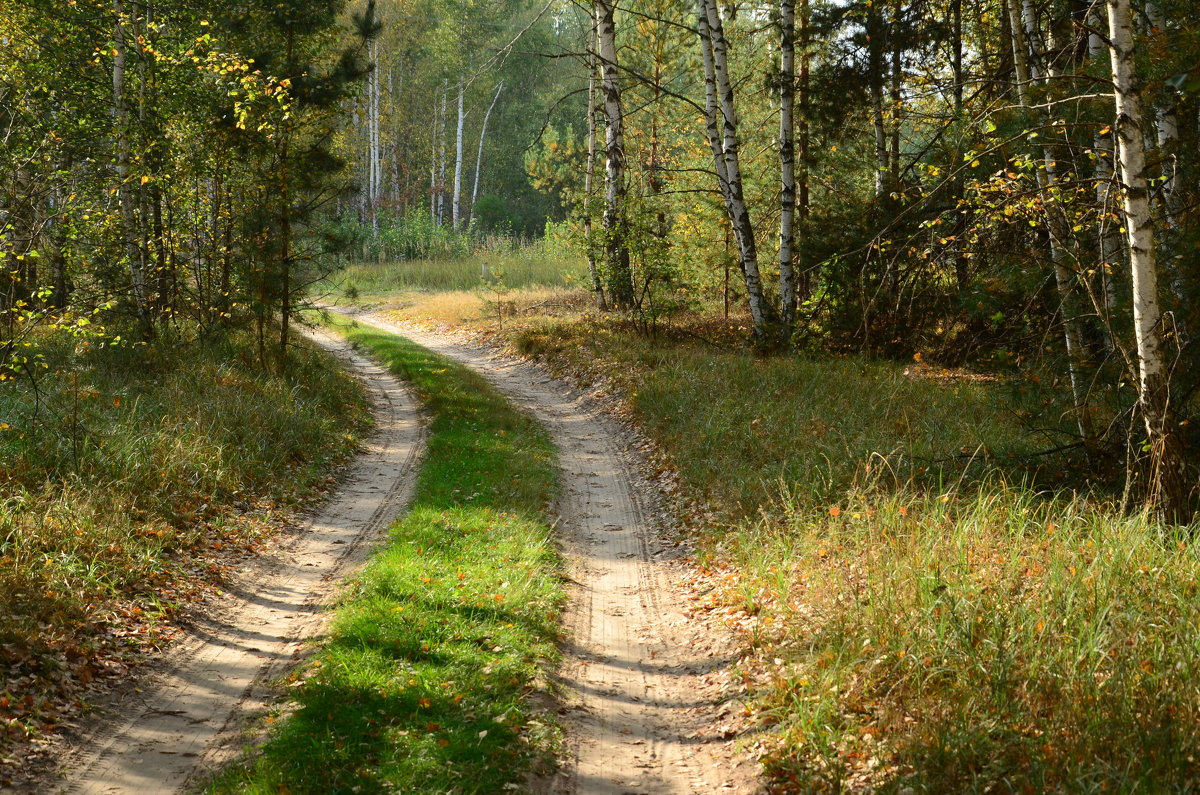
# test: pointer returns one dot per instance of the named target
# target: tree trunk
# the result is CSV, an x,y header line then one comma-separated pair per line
x,y
806,279
441,178
875,82
588,198
374,164
127,197
787,167
456,210
715,51
1035,48
479,153
1170,486
962,221
620,276
1059,234
1108,234
433,159
896,100
1166,126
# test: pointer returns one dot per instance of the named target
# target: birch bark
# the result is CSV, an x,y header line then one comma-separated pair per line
x,y
1059,231
588,236
620,277
739,214
479,153
441,179
1170,486
456,209
787,166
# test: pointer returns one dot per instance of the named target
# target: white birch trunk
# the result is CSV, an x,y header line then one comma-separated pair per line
x,y
456,210
441,195
1171,486
787,166
711,111
739,214
479,153
1166,127
433,158
1057,227
875,78
1035,48
620,278
373,159
588,188
1110,237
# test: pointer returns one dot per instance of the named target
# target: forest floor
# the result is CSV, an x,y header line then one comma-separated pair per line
x,y
644,688
187,716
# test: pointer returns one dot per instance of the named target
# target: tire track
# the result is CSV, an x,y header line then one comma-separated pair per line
x,y
637,680
189,719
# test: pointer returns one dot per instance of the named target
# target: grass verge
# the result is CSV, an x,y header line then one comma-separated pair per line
x,y
127,474
423,681
926,606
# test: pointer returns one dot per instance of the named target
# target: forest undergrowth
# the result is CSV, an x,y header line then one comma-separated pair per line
x,y
927,603
130,474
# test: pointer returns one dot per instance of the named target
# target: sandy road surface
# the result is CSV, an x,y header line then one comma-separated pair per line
x,y
187,720
642,686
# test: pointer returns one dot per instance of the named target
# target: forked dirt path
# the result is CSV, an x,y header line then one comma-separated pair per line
x,y
188,720
643,688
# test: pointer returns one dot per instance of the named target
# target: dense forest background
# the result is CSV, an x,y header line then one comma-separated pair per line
x,y
998,184
1005,185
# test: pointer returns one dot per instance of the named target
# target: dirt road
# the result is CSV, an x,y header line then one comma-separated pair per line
x,y
188,719
643,687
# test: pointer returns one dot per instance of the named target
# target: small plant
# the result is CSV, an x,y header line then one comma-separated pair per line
x,y
493,282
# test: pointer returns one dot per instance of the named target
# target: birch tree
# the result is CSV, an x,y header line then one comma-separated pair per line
x,y
619,275
787,165
456,212
722,132
590,166
1027,61
126,193
479,153
1171,487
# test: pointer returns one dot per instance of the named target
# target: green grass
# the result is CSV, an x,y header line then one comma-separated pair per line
x,y
422,684
917,616
998,640
123,470
744,431
539,264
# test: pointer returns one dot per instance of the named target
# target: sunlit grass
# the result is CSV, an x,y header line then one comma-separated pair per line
x,y
506,269
744,431
990,640
422,684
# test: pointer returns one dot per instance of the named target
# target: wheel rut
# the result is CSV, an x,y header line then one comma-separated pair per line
x,y
642,690
188,718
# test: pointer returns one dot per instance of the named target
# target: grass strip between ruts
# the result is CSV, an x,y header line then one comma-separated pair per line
x,y
421,683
